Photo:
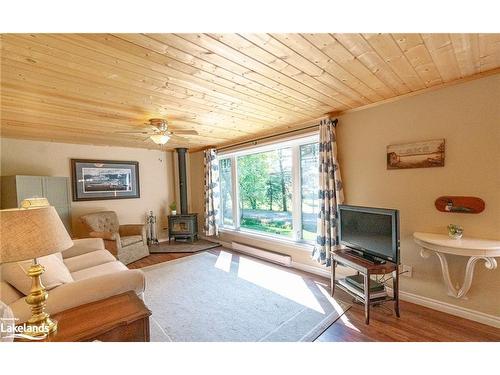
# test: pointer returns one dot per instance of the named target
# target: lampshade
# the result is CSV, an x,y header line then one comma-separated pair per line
x,y
31,233
160,139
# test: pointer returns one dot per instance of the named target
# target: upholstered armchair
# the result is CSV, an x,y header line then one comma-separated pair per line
x,y
127,242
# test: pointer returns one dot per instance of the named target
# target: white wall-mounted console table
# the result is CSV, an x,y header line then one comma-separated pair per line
x,y
474,248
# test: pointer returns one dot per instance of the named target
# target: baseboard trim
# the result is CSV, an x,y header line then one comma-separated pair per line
x,y
448,308
274,257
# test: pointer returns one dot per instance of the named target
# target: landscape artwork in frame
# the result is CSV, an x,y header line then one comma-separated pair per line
x,y
104,179
425,154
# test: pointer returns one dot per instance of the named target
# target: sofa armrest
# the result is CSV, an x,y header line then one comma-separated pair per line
x,y
105,235
84,291
83,246
132,230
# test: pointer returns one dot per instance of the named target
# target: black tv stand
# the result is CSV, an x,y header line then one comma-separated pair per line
x,y
368,257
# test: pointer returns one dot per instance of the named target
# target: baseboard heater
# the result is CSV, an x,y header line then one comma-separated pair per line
x,y
283,259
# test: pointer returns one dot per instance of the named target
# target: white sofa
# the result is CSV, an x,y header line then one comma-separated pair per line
x,y
95,273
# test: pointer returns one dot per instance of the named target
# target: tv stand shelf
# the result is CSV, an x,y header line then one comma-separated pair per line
x,y
366,268
361,299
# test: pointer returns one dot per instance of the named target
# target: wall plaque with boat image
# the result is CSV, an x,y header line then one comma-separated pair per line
x,y
424,154
458,204
104,179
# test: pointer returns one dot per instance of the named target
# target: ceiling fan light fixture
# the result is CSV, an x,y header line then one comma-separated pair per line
x,y
160,139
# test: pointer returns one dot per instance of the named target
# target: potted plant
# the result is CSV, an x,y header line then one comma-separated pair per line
x,y
455,231
173,208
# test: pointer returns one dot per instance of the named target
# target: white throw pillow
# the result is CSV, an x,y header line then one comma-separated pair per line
x,y
56,273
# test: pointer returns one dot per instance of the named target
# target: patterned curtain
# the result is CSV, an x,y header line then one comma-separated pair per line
x,y
211,192
330,192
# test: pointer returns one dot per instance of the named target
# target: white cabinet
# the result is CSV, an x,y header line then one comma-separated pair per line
x,y
56,189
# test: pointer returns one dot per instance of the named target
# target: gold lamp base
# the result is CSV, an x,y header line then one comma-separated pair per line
x,y
39,325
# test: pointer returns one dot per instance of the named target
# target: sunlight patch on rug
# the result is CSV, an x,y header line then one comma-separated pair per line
x,y
282,282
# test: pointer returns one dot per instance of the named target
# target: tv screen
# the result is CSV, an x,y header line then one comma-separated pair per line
x,y
370,230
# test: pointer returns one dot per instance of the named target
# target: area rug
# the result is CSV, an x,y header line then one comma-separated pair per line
x,y
182,247
207,297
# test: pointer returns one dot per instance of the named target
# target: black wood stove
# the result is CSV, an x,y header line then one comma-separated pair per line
x,y
185,225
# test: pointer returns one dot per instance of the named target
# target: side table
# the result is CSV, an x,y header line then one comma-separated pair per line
x,y
476,249
119,318
366,268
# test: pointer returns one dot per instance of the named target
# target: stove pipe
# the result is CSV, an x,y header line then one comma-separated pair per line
x,y
181,159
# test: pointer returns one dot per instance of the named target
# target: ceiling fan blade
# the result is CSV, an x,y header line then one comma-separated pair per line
x,y
137,132
187,132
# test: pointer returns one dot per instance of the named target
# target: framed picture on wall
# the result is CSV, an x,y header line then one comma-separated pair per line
x,y
104,179
424,154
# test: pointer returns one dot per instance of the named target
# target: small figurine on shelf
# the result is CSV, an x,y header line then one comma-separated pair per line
x,y
151,230
173,208
455,231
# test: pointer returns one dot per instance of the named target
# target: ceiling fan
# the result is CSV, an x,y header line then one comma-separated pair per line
x,y
160,133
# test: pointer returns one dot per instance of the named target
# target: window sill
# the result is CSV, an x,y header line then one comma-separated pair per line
x,y
303,246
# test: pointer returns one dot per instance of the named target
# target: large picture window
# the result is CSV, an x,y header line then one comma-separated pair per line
x,y
265,186
272,190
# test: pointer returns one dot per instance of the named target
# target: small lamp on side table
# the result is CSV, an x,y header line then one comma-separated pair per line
x,y
30,234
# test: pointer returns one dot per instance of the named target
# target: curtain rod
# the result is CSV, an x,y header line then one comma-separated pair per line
x,y
254,141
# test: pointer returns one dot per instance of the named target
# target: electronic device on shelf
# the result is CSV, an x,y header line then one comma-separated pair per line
x,y
360,293
359,282
369,232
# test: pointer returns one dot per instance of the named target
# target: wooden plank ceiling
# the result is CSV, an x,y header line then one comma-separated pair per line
x,y
82,88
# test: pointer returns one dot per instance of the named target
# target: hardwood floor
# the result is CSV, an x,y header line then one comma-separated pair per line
x,y
416,323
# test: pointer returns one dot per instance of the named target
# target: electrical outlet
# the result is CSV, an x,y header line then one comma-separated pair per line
x,y
405,271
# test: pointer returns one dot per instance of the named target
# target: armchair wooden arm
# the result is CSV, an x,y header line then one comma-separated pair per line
x,y
132,230
105,235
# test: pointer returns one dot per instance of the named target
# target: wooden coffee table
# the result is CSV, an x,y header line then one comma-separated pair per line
x,y
119,318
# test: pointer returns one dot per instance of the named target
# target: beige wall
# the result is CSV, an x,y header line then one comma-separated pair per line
x,y
53,159
467,116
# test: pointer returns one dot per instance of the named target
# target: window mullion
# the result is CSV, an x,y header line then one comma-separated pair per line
x,y
296,195
235,193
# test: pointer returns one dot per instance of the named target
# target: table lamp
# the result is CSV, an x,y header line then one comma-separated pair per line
x,y
29,234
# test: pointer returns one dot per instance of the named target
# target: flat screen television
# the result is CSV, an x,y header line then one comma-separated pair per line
x,y
372,232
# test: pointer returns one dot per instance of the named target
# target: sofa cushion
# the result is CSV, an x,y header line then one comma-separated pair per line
x,y
56,273
91,259
8,294
130,240
101,269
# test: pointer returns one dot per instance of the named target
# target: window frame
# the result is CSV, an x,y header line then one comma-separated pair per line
x,y
293,143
